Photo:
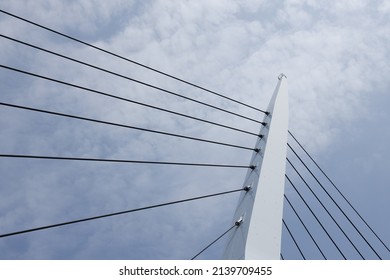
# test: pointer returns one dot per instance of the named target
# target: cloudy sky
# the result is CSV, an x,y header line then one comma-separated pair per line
x,y
335,55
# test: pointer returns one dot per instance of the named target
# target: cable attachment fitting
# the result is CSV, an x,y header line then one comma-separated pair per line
x,y
257,150
247,188
261,136
281,76
253,167
239,221
264,123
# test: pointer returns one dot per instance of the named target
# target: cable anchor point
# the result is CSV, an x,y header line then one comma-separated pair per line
x,y
281,76
239,221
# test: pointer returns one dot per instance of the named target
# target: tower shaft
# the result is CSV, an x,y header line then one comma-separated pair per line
x,y
261,208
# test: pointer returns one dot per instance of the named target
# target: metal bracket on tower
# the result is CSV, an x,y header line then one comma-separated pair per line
x,y
260,236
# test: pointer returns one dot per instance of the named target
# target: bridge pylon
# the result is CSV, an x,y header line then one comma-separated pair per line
x,y
260,210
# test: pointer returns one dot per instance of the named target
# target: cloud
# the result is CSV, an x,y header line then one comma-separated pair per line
x,y
335,58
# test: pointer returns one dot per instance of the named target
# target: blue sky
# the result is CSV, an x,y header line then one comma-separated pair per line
x,y
335,56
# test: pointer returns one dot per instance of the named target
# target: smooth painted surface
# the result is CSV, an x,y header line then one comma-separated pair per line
x,y
259,235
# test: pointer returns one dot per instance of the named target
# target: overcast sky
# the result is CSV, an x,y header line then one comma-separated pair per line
x,y
335,55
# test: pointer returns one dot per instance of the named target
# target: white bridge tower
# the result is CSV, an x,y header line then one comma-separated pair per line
x,y
260,210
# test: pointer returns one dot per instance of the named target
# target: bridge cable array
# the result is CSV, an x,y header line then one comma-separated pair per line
x,y
334,217
122,98
304,225
325,208
80,87
91,66
315,216
129,60
338,206
339,192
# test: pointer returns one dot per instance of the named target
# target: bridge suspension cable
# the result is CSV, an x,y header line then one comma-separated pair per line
x,y
214,241
117,213
36,157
